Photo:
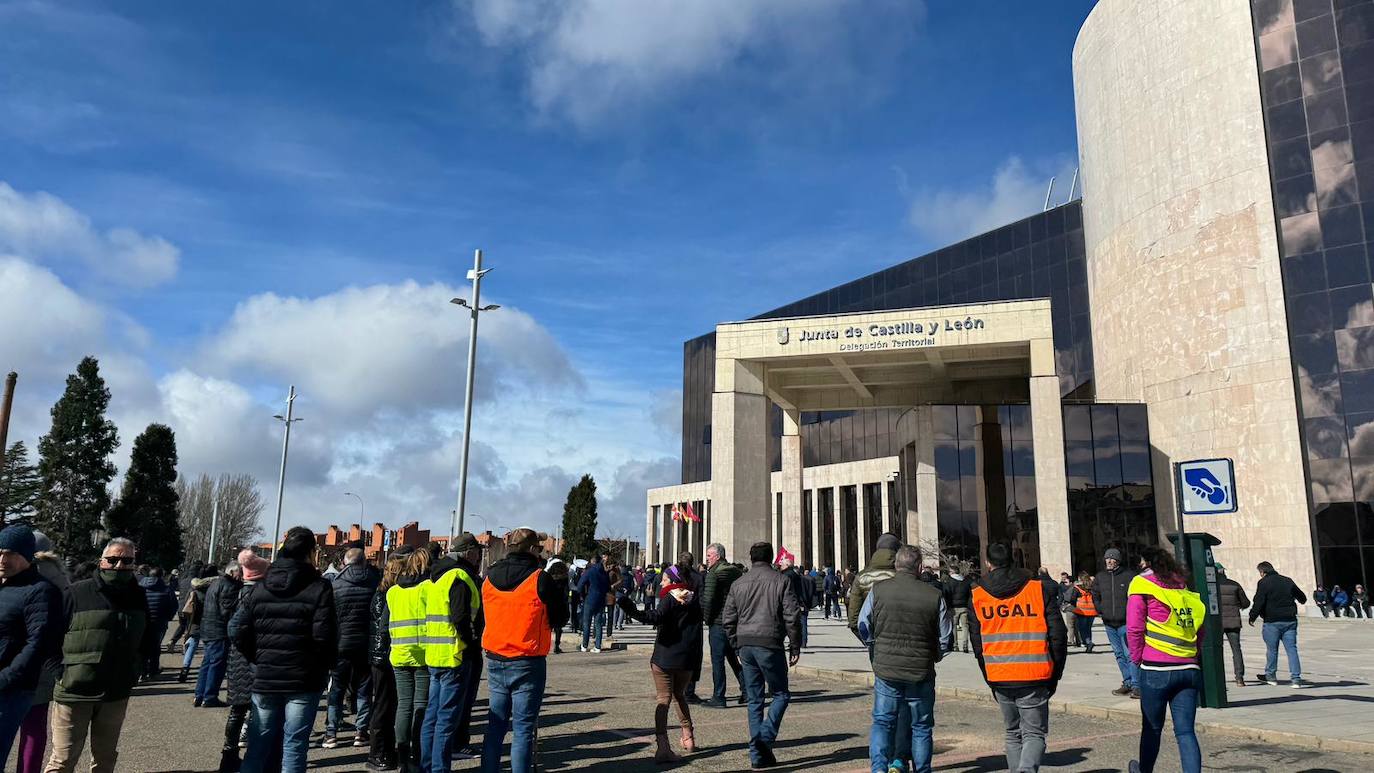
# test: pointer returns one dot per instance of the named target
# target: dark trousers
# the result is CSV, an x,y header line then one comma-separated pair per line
x,y
832,604
721,651
383,719
1237,659
352,676
182,624
463,736
152,659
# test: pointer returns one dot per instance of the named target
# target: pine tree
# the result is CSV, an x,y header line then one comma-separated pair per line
x,y
147,510
74,464
579,519
19,486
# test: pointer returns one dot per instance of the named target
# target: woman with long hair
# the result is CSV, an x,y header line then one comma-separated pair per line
x,y
382,754
405,623
677,653
1164,629
1084,610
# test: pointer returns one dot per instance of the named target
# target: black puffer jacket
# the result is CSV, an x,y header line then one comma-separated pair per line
x,y
220,602
287,628
162,602
32,622
240,672
1110,595
353,591
1233,602
379,638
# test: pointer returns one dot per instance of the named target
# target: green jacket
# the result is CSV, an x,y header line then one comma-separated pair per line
x,y
100,654
880,567
719,578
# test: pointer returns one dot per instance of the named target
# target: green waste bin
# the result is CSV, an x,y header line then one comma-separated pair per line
x,y
1197,548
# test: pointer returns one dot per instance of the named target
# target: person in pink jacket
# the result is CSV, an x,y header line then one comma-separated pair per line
x,y
1164,628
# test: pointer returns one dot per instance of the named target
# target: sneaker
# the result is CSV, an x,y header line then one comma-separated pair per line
x,y
1298,684
467,753
198,703
1262,679
594,649
1123,690
361,739
581,648
329,742
714,703
213,703
1135,767
1240,681
1135,693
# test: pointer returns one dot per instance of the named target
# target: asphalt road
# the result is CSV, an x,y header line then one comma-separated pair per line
x,y
599,716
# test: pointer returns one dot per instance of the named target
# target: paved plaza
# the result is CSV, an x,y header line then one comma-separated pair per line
x,y
598,716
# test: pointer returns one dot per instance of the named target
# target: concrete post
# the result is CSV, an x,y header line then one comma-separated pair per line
x,y
861,502
739,455
925,526
791,481
1051,484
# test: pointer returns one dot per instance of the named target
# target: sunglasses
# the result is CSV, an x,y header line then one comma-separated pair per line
x,y
118,560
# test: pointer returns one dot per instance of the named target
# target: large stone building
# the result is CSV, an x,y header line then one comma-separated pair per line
x,y
1209,296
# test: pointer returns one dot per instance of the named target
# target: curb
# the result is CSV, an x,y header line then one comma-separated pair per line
x,y
1263,735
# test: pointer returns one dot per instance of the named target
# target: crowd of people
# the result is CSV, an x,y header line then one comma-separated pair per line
x,y
402,649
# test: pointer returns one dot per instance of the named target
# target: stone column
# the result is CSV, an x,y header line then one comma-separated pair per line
x,y
739,455
650,531
838,514
925,525
1051,484
791,481
861,501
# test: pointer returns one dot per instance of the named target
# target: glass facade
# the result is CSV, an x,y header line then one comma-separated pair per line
x,y
1316,61
1041,256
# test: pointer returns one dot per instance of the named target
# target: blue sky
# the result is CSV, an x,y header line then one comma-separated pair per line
x,y
223,199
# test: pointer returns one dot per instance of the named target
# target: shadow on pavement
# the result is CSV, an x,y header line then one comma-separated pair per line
x,y
1060,758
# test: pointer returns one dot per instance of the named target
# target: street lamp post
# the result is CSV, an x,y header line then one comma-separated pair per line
x,y
287,421
362,513
474,309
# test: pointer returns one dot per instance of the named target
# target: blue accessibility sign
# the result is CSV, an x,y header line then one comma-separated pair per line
x,y
1206,486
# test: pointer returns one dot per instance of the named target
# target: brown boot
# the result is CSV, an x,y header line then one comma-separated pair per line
x,y
665,753
689,741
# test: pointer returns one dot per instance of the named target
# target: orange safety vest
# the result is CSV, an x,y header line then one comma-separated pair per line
x,y
1016,645
1085,606
517,622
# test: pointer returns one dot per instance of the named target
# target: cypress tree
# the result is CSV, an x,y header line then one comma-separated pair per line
x,y
19,486
147,508
579,519
74,464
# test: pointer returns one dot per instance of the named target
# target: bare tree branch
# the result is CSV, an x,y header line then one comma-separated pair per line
x,y
240,505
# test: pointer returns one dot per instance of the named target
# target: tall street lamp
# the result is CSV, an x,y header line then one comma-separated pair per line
x,y
474,309
362,518
287,421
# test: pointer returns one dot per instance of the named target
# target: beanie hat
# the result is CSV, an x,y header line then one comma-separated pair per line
x,y
253,565
889,541
19,539
41,542
1113,554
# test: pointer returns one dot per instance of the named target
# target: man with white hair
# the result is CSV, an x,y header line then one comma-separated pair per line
x,y
109,621
353,589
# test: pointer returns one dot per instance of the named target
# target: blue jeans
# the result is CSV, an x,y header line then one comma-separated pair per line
x,y
1178,691
352,671
1116,636
593,618
721,651
1288,634
190,649
212,668
14,706
764,666
888,699
448,689
515,692
280,722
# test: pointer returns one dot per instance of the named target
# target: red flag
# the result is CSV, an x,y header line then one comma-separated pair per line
x,y
676,512
784,555
690,514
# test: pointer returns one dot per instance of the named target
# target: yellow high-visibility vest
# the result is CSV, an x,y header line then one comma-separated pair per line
x,y
1176,636
443,648
406,624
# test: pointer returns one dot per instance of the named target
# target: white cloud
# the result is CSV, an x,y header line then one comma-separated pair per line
x,y
588,60
41,226
1015,191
